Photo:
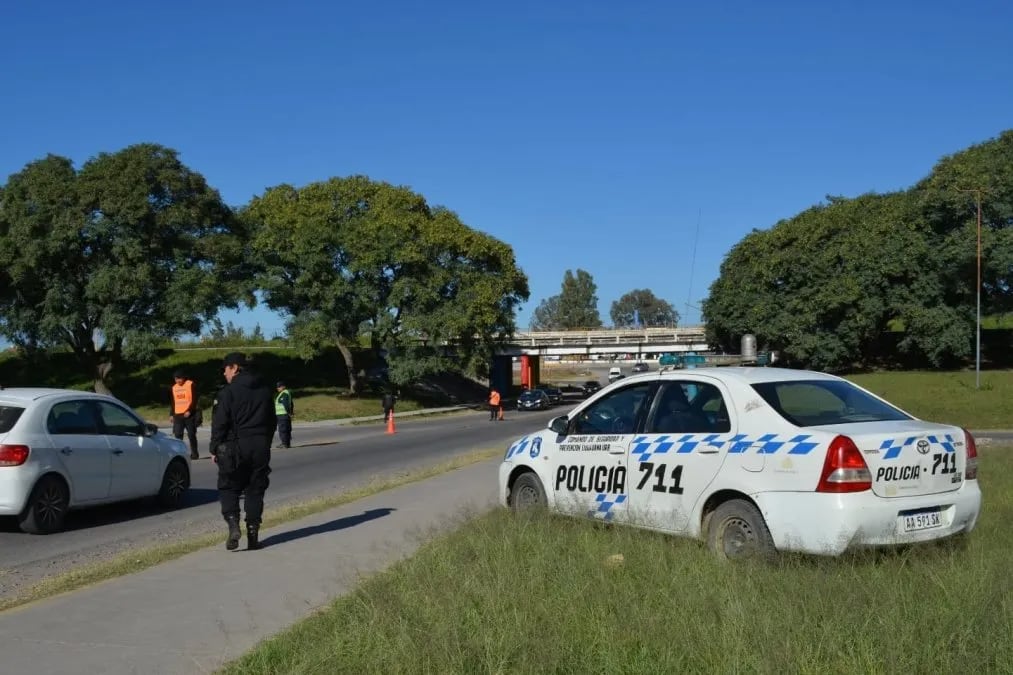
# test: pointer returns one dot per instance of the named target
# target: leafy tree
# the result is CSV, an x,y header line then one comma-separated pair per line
x,y
831,285
133,249
578,301
824,286
546,315
651,311
576,306
351,254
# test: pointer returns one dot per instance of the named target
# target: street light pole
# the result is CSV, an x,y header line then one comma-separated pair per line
x,y
977,354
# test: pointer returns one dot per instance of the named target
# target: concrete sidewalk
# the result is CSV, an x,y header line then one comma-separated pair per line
x,y
194,614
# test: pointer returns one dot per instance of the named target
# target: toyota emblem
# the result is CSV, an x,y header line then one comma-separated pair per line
x,y
923,446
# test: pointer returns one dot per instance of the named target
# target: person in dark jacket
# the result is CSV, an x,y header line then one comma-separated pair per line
x,y
242,426
388,402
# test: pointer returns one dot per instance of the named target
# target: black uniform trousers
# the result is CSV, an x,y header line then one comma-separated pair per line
x,y
246,475
285,430
189,424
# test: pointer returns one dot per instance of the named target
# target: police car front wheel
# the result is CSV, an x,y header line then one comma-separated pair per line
x,y
737,530
527,493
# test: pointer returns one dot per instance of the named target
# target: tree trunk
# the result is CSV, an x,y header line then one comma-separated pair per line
x,y
101,374
346,353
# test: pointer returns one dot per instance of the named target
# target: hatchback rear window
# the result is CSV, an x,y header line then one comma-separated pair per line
x,y
9,415
811,403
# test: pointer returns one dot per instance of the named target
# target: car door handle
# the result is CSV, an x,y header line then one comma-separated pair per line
x,y
709,452
117,452
66,451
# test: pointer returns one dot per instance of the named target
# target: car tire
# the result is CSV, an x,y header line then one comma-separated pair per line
x,y
736,530
175,483
47,507
527,493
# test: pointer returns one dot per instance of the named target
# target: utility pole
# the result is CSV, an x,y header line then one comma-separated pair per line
x,y
977,354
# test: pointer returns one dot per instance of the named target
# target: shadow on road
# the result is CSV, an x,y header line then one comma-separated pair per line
x,y
324,528
111,514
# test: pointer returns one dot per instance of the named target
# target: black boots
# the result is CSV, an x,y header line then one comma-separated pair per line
x,y
234,533
252,535
252,543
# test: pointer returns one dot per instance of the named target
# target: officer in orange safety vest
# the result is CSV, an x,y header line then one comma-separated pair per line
x,y
184,413
494,405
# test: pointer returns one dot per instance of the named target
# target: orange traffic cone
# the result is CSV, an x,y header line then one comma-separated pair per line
x,y
390,423
500,413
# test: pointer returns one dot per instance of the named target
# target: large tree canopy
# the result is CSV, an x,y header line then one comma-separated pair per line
x,y
132,249
575,307
351,254
829,286
643,307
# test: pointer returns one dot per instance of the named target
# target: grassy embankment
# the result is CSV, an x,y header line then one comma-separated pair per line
x,y
320,385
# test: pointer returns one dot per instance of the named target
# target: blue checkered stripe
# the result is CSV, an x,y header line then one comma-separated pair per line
x,y
891,447
517,448
605,503
645,447
532,445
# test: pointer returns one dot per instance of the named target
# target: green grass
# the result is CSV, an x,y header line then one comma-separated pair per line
x,y
536,594
947,397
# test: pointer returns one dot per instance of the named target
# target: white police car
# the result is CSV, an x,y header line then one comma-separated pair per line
x,y
753,460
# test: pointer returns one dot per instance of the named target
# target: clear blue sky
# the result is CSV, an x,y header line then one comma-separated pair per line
x,y
589,134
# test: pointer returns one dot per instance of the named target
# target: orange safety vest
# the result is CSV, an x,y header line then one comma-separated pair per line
x,y
182,396
494,398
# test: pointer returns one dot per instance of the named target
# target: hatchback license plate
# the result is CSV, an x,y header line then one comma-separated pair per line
x,y
926,520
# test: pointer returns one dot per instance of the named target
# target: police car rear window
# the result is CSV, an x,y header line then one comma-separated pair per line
x,y
9,415
811,403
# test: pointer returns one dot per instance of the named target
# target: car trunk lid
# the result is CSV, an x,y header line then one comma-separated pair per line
x,y
910,458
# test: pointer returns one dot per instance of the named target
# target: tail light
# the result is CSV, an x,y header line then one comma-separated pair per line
x,y
13,455
845,469
971,466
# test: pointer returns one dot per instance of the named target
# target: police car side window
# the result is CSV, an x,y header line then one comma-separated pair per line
x,y
617,413
689,408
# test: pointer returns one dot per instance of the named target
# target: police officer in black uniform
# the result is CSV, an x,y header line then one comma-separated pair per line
x,y
242,426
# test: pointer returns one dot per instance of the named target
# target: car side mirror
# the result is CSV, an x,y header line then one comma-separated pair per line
x,y
559,425
150,429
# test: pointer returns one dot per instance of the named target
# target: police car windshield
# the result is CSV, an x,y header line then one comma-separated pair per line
x,y
811,403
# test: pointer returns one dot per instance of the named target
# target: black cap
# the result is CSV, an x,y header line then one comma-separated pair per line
x,y
179,374
280,384
235,359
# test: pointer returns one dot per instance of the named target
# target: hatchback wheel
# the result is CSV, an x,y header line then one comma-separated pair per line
x,y
47,507
175,483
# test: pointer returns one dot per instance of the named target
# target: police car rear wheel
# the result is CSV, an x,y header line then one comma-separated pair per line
x,y
737,531
527,493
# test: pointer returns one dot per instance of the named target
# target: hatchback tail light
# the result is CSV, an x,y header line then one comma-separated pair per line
x,y
845,469
13,455
971,465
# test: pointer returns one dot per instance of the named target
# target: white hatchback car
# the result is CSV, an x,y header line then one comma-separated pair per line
x,y
63,449
752,460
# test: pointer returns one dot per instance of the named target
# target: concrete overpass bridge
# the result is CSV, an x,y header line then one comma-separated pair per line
x,y
640,343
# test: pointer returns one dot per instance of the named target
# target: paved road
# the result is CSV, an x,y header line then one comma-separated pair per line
x,y
341,458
